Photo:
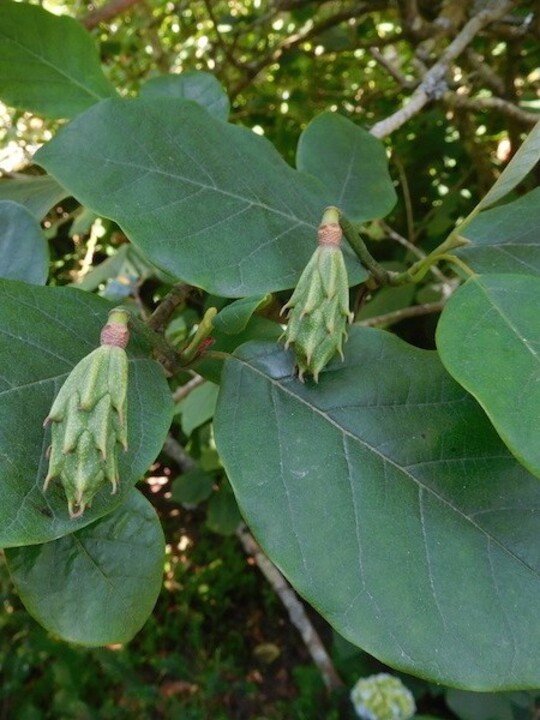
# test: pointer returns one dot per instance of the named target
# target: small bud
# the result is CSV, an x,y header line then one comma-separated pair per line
x,y
382,697
319,305
88,418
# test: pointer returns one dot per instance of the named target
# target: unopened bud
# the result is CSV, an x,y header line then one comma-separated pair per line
x,y
319,306
88,419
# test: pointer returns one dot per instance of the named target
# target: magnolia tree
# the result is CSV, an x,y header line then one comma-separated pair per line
x,y
396,488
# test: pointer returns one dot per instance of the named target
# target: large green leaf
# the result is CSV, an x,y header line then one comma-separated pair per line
x,y
48,63
38,193
387,499
209,202
351,163
506,239
197,85
24,253
98,585
44,332
489,340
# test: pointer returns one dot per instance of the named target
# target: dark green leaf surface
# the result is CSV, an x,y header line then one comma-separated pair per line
x,y
506,239
211,203
197,85
37,193
98,585
489,340
44,332
235,316
48,63
351,163
389,502
198,407
24,253
192,487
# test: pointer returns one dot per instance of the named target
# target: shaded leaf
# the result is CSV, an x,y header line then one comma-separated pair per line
x,y
489,340
37,193
198,407
24,253
506,239
98,585
192,487
197,85
48,64
211,203
235,316
391,505
223,516
44,332
351,163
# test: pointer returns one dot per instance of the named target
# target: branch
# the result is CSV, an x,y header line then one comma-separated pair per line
x,y
176,452
184,390
392,69
107,12
432,85
392,318
298,38
297,614
491,103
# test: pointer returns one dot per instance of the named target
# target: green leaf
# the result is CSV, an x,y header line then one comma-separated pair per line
x,y
196,85
24,253
37,193
235,316
489,340
223,515
198,407
44,332
506,239
351,163
98,585
48,64
211,203
192,487
389,502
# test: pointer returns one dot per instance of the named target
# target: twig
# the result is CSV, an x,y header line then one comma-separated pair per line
x,y
392,69
176,452
184,390
491,103
393,317
433,85
162,314
297,614
298,38
412,248
107,12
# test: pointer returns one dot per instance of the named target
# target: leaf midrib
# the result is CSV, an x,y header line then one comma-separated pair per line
x,y
393,463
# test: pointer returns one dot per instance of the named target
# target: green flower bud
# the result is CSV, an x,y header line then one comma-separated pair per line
x,y
382,697
88,419
319,306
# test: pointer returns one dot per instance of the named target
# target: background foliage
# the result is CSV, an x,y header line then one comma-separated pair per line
x,y
281,63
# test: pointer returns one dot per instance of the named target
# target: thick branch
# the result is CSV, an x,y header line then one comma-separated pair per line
x,y
107,12
297,614
430,86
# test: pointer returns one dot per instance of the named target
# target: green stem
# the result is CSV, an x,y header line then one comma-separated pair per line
x,y
205,328
172,359
419,269
382,276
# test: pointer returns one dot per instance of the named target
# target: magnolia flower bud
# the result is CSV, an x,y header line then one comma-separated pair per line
x,y
382,697
319,306
88,418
